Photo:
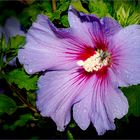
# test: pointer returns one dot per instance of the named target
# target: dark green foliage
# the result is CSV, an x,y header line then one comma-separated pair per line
x,y
29,14
22,121
133,95
7,105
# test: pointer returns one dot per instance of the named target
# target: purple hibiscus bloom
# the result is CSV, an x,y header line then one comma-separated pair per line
x,y
86,64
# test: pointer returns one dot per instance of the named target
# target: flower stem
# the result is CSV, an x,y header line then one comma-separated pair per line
x,y
54,5
21,98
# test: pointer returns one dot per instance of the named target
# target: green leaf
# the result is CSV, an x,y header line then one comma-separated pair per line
x,y
69,135
127,12
3,44
122,15
3,48
57,14
50,15
7,105
13,46
78,6
134,17
64,6
126,3
72,125
133,95
16,42
54,15
19,123
98,7
64,21
22,80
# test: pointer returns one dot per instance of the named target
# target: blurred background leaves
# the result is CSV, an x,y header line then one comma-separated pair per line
x,y
18,113
127,12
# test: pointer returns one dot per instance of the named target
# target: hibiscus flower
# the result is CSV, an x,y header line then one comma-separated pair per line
x,y
85,65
